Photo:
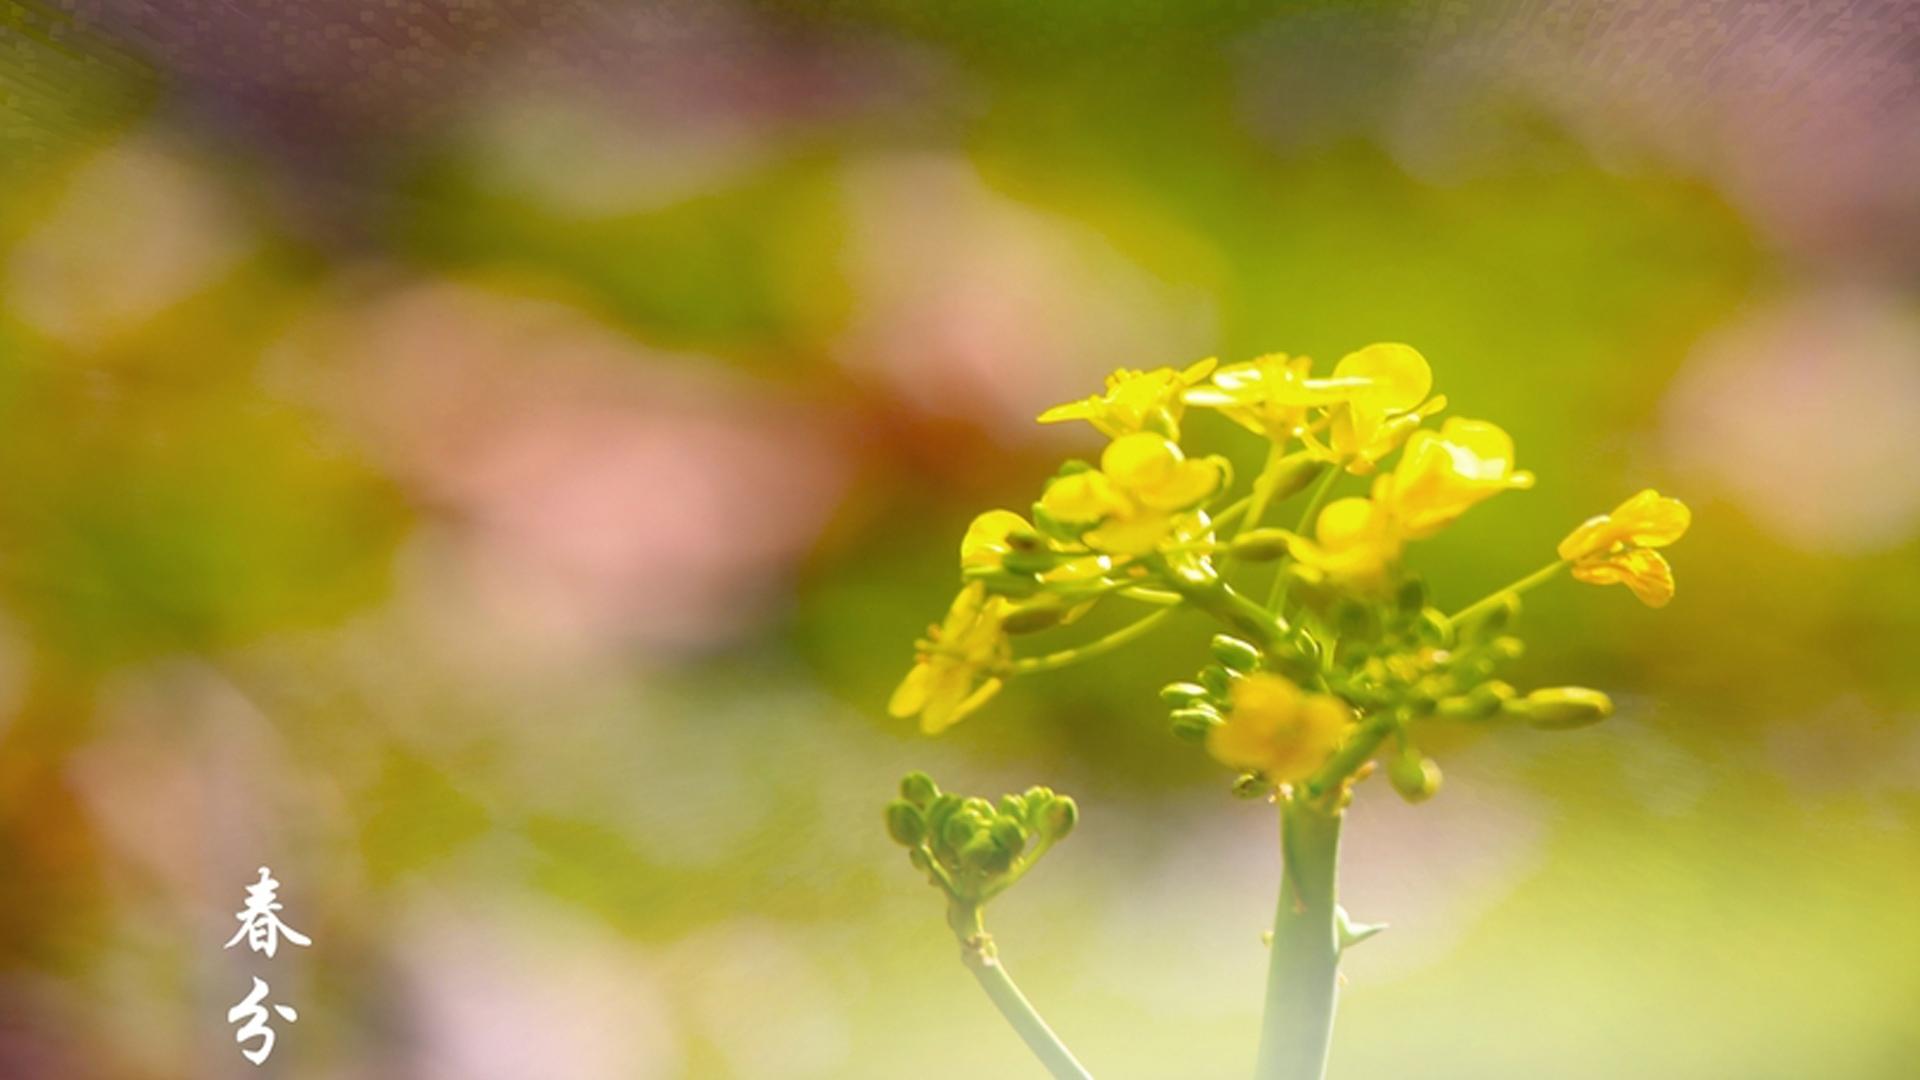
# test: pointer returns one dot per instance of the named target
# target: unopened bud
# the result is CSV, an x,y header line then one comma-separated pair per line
x,y
1184,693
1216,680
1563,707
1235,654
905,824
1412,596
1061,816
1260,545
1252,786
1040,613
1009,836
919,789
1414,775
1293,476
1192,724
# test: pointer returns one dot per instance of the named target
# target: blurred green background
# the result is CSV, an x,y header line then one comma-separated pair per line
x,y
489,461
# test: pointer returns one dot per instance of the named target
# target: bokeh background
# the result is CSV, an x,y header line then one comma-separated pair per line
x,y
489,460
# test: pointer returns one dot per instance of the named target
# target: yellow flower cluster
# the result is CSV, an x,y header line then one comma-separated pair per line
x,y
1140,523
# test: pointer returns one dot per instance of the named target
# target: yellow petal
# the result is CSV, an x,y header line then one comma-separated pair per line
x,y
1081,498
986,541
1645,572
911,695
1398,377
934,721
1653,520
1131,536
1140,460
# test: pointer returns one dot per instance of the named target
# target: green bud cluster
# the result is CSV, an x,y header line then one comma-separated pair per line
x,y
969,847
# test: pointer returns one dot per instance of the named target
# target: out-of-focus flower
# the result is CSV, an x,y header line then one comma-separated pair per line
x,y
1135,401
510,989
956,289
1143,493
1277,729
1616,548
958,665
1443,474
1803,414
138,229
525,422
1356,541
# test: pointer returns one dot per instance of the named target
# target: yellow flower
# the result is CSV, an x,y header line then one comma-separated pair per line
x,y
1443,474
992,537
1145,492
1135,401
1001,540
959,664
1355,543
1275,728
1617,548
1374,421
1271,396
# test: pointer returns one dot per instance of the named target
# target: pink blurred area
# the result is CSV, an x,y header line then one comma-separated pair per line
x,y
583,492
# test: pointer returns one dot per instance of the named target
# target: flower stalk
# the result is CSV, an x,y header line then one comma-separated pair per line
x,y
1303,968
982,958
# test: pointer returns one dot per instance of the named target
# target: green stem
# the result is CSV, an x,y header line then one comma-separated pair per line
x,y
1091,649
978,952
1277,594
1303,972
1223,602
1538,577
1263,486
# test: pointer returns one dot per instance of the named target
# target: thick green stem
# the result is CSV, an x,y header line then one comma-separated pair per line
x,y
1303,970
977,951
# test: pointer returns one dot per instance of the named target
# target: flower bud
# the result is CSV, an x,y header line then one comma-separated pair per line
x,y
1414,775
1508,648
1252,786
1293,476
1012,806
1260,545
1216,680
1062,814
1192,724
959,831
1563,707
1411,597
981,853
943,808
1040,613
1181,694
919,789
1235,654
1009,837
905,824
